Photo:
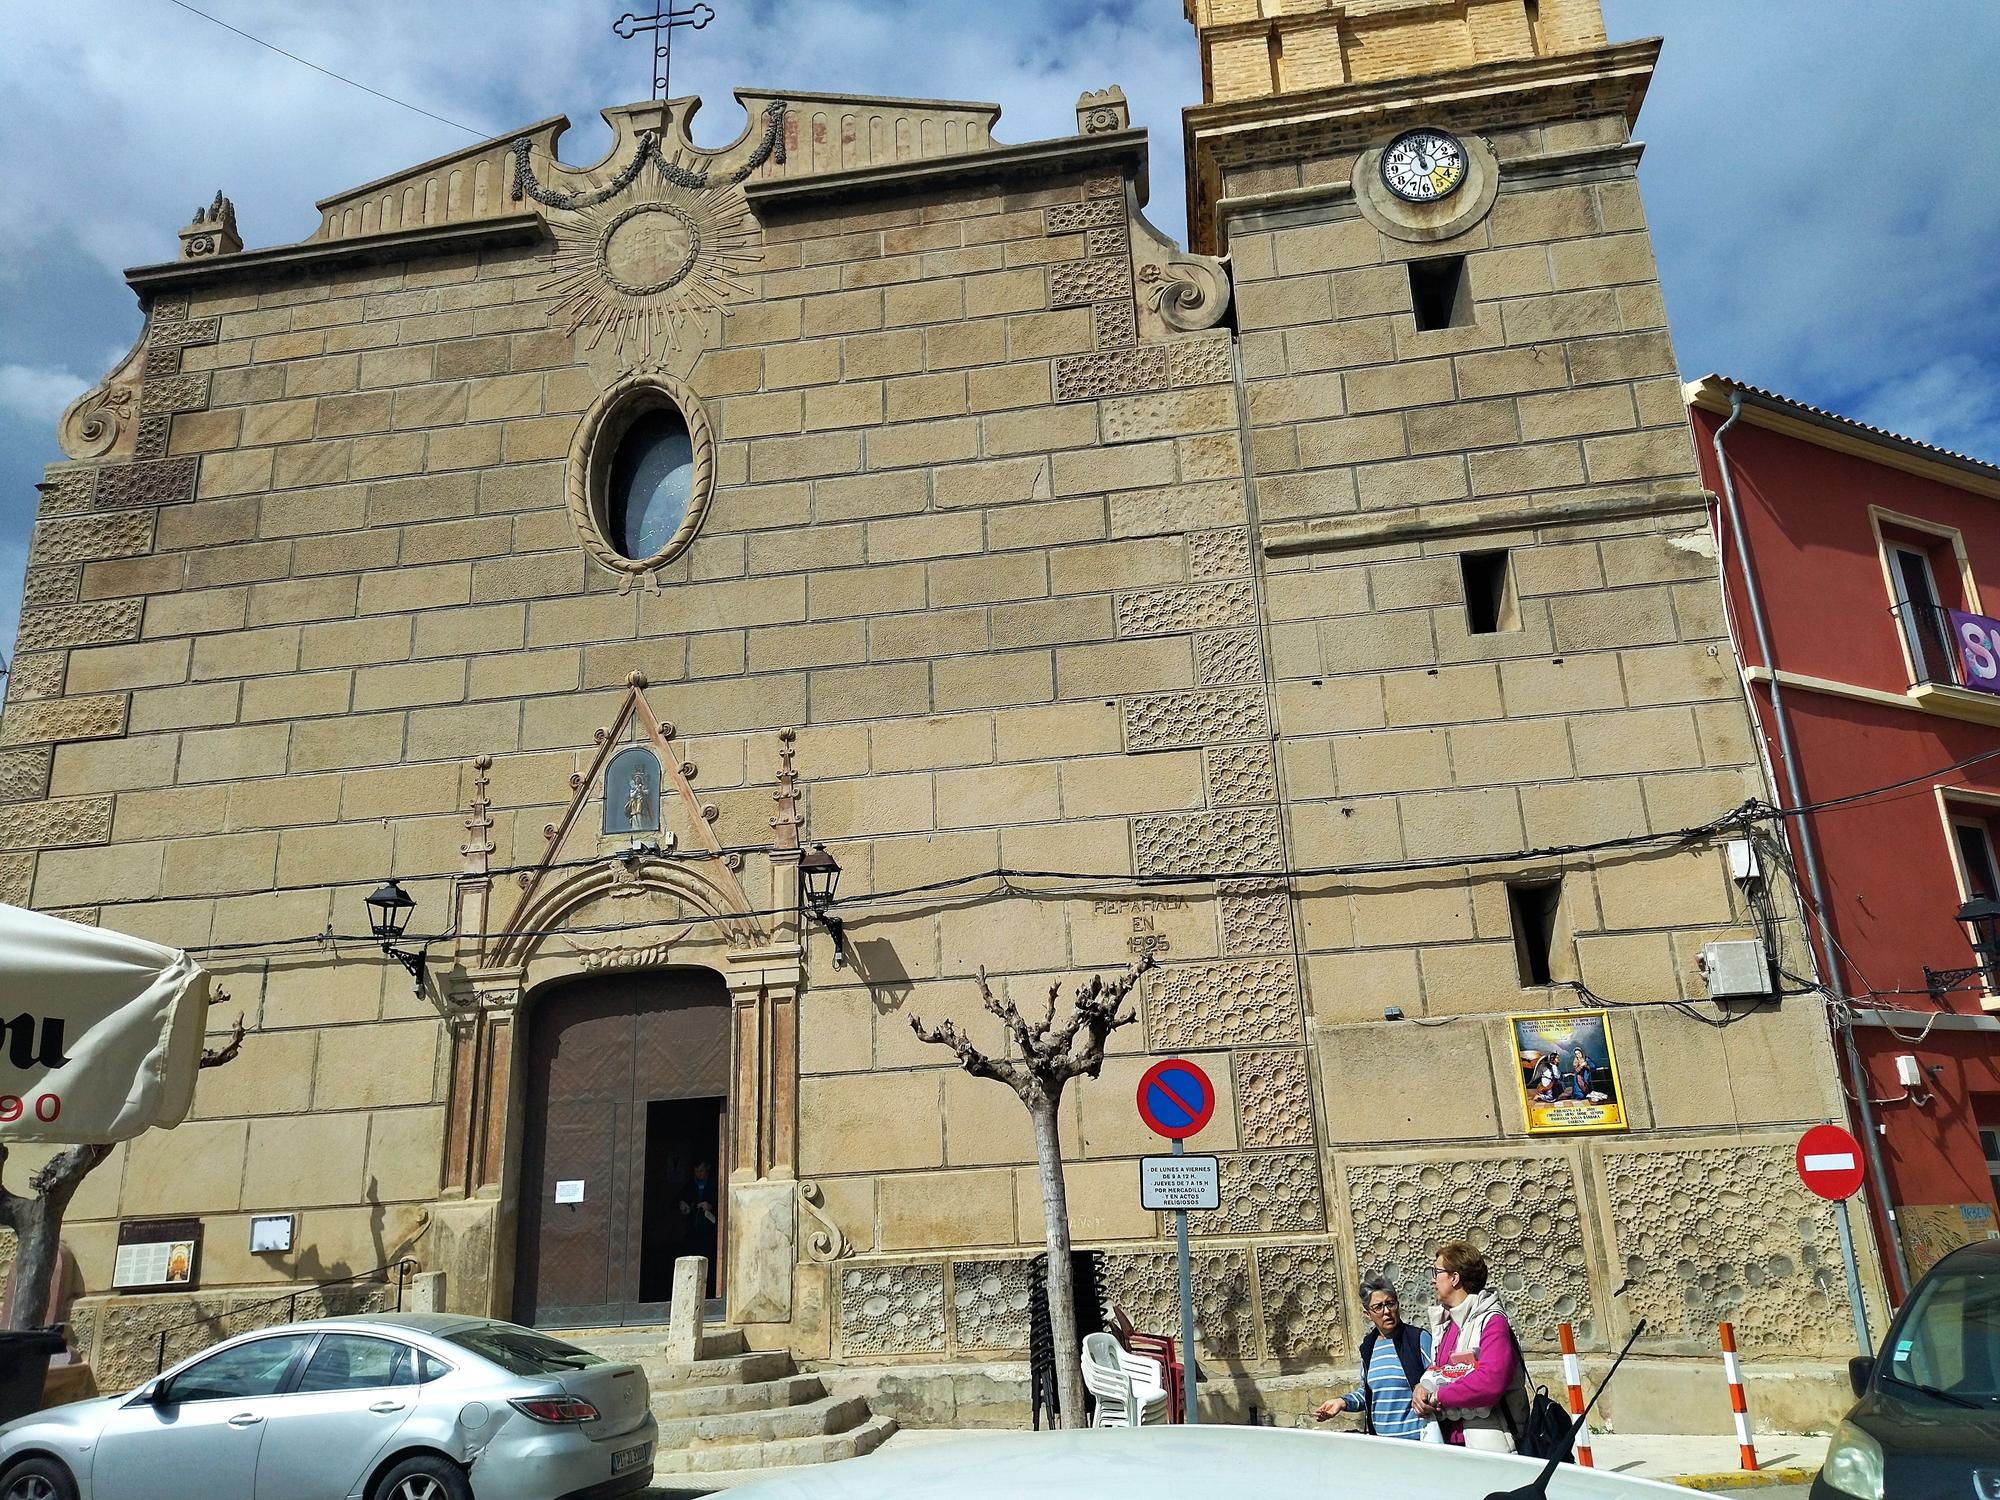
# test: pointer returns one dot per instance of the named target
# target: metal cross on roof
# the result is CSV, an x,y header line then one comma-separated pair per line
x,y
661,23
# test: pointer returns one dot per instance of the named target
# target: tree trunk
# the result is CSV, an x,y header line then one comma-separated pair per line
x,y
1062,1293
37,1225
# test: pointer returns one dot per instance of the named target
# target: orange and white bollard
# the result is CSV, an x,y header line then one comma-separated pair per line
x,y
1736,1402
1573,1377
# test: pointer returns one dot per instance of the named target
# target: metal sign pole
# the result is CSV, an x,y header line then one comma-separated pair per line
x,y
1192,1415
1854,1302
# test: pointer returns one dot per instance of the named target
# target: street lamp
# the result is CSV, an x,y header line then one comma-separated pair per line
x,y
389,912
1981,919
819,876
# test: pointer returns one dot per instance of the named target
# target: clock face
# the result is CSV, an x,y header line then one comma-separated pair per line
x,y
1422,166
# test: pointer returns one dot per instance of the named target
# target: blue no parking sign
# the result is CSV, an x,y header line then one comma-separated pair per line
x,y
1176,1098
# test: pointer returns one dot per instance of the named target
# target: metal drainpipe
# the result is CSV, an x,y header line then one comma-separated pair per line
x,y
1871,1141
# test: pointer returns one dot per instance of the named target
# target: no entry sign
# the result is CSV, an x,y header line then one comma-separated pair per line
x,y
1829,1162
1175,1098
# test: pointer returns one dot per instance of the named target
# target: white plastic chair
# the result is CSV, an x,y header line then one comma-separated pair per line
x,y
1127,1388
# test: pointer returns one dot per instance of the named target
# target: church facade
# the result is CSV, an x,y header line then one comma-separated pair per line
x,y
1327,612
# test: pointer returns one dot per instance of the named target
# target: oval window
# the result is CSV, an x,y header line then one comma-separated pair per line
x,y
651,483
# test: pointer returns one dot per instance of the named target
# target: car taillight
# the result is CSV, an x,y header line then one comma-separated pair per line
x,y
555,1408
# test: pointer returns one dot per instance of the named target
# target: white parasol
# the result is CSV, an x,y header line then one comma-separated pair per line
x,y
100,1033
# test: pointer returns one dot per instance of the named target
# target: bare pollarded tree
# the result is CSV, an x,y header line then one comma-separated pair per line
x,y
37,1221
1049,1056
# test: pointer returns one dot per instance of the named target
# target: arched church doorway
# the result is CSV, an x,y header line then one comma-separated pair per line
x,y
625,1133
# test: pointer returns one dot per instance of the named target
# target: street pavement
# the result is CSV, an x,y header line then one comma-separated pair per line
x,y
1706,1462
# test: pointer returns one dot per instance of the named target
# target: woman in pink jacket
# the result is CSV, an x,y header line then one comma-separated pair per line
x,y
1475,1388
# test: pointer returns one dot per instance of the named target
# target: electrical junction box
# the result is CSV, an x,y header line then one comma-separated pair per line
x,y
1908,1074
1736,969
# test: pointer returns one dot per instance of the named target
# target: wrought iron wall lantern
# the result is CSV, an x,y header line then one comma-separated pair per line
x,y
1981,919
389,912
819,878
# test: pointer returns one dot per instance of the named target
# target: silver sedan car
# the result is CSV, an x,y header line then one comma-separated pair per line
x,y
388,1406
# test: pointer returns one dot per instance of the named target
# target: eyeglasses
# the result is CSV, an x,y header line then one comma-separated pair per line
x,y
1381,1307
1442,1271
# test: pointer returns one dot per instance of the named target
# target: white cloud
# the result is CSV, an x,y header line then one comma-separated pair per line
x,y
38,395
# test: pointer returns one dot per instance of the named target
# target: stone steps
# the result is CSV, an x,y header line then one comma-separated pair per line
x,y
673,1403
826,1417
783,1453
735,1409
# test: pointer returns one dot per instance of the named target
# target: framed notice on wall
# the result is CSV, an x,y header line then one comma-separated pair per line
x,y
158,1254
1567,1072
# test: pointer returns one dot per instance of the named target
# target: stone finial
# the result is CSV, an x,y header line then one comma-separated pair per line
x,y
212,231
1104,110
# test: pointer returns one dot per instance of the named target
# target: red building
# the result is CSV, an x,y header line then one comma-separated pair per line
x,y
1873,561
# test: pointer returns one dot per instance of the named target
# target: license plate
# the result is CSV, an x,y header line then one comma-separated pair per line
x,y
630,1458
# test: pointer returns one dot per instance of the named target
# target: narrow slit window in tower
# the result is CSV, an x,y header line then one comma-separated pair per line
x,y
1438,293
1489,592
1533,905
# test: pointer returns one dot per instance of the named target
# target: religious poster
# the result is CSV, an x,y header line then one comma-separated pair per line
x,y
1568,1075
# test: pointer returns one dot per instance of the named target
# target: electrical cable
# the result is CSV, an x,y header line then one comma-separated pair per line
x,y
338,77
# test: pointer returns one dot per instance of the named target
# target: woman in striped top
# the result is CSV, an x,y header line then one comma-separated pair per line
x,y
1393,1358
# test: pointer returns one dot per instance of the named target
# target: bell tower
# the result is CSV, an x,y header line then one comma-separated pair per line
x,y
1251,49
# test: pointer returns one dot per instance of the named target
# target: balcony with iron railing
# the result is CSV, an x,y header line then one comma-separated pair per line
x,y
1954,661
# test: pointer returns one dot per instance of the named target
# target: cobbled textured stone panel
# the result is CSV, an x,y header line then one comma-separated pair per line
x,y
1219,554
1304,1290
1184,607
38,676
1273,1098
892,1309
161,360
1253,1002
121,1335
1115,325
1239,774
174,393
180,334
45,586
1225,839
1107,239
93,624
1147,1284
59,719
1177,721
1202,361
169,306
1112,186
1161,414
124,533
1729,1233
1102,279
17,878
1111,372
1267,1192
170,481
1228,658
24,774
1255,919
989,1304
1520,1211
44,825
1095,213
66,491
154,431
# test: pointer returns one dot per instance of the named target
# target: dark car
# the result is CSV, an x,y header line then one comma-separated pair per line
x,y
1927,1426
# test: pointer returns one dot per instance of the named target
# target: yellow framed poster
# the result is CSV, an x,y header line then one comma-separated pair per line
x,y
1567,1072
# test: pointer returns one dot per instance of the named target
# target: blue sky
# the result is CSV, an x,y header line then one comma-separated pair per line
x,y
1819,173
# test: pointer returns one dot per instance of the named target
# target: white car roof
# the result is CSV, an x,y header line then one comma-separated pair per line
x,y
1187,1463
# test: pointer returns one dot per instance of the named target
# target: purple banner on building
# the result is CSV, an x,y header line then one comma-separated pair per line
x,y
1976,640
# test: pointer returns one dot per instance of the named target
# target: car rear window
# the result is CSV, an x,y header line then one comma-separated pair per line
x,y
522,1351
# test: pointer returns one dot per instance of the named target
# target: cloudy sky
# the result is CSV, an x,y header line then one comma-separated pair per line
x,y
1819,173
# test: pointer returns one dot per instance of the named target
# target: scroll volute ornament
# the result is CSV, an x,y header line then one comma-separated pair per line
x,y
104,421
594,450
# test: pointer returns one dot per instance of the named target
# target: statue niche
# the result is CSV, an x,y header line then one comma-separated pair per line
x,y
632,792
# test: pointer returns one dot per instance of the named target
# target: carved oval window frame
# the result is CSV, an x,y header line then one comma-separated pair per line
x,y
595,447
